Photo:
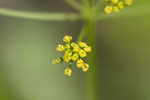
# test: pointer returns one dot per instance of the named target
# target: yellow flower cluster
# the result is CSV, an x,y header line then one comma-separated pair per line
x,y
73,53
114,6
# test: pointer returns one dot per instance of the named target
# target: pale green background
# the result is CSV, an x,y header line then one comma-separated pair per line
x,y
28,46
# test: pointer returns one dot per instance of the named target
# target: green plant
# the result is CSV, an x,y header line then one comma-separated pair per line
x,y
88,11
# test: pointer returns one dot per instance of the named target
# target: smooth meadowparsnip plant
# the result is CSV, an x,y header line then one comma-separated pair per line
x,y
78,53
87,11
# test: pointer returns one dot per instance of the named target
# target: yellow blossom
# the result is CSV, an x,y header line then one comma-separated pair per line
x,y
128,2
79,63
76,49
68,72
75,46
115,9
60,48
68,52
56,61
82,53
85,67
67,38
88,49
75,57
67,46
67,56
120,5
114,1
73,52
82,44
108,9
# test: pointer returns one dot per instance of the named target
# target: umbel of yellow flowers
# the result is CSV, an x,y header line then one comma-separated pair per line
x,y
114,6
73,53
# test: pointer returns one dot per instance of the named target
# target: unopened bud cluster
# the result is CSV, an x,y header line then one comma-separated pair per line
x,y
114,6
73,53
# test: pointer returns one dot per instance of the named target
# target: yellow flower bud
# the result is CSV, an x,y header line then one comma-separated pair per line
x,y
128,2
114,1
82,53
73,44
67,38
79,63
108,9
75,47
82,44
120,5
115,9
56,61
88,49
85,67
67,56
75,57
67,46
60,48
68,72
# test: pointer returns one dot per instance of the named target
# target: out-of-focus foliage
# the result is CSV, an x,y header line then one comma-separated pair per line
x,y
27,48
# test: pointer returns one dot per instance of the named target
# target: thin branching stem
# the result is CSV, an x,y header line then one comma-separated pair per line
x,y
40,16
74,4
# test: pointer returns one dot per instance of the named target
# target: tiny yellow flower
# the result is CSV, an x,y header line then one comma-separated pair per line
x,y
60,48
82,44
115,9
67,38
82,53
120,5
79,63
68,72
73,52
114,1
67,58
67,46
88,49
68,52
108,9
73,44
56,61
75,57
85,67
76,49
128,2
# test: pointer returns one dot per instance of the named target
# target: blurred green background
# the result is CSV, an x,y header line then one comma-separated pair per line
x,y
28,46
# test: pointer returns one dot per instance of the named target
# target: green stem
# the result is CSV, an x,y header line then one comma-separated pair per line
x,y
91,78
88,30
40,16
74,4
91,82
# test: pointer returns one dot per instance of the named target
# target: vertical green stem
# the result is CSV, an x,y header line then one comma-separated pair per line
x,y
91,87
88,31
91,77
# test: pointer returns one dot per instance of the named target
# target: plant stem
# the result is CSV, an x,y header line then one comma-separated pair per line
x,y
74,4
91,78
88,31
40,16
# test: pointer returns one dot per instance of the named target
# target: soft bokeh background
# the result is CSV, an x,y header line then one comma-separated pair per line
x,y
28,46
